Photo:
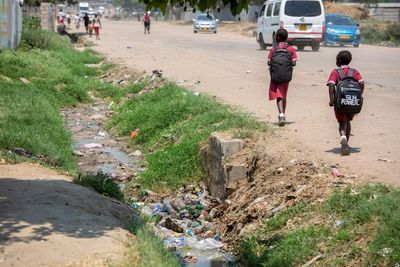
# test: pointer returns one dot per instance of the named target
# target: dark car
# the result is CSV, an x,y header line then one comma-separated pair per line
x,y
341,29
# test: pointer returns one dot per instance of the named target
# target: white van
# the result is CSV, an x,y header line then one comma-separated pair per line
x,y
303,19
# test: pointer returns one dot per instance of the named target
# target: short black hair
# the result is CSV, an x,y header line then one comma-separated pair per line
x,y
281,35
343,58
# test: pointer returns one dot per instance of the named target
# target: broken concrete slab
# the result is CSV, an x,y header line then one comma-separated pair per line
x,y
220,147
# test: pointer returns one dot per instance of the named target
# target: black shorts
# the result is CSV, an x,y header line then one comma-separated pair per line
x,y
147,23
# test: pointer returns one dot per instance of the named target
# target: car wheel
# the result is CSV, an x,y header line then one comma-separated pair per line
x,y
315,47
356,45
195,31
215,31
263,46
300,47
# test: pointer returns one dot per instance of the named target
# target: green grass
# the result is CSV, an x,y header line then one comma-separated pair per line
x,y
375,32
369,233
30,113
152,251
30,120
102,183
173,122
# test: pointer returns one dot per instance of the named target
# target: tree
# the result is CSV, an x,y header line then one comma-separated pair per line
x,y
236,6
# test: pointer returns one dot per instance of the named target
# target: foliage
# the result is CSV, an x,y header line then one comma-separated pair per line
x,y
173,122
361,224
236,6
102,183
375,32
29,113
151,251
30,23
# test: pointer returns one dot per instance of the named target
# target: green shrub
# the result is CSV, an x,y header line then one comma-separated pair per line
x,y
374,32
30,23
173,122
37,38
102,183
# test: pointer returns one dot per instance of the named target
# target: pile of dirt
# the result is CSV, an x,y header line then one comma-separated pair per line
x,y
245,28
283,177
357,12
120,75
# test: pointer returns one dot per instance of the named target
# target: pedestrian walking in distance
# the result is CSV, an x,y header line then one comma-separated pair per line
x,y
346,87
281,59
96,26
86,22
147,22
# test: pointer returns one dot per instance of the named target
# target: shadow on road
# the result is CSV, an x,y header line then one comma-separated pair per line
x,y
337,150
31,210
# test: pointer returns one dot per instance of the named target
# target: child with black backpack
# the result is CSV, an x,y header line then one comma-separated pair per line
x,y
346,87
281,59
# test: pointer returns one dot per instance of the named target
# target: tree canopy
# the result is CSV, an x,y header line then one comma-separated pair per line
x,y
236,6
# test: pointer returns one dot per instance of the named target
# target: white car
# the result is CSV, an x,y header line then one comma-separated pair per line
x,y
303,19
205,23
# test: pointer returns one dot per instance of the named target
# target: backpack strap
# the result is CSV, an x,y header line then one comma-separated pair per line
x,y
350,73
341,73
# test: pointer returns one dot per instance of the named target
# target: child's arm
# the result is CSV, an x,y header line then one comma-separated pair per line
x,y
362,85
331,94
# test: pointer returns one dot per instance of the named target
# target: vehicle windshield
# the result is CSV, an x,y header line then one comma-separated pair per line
x,y
84,8
302,8
339,20
205,17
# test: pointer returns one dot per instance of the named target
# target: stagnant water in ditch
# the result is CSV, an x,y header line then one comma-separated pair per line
x,y
98,151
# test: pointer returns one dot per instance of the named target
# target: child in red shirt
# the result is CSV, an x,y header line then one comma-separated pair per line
x,y
279,91
343,60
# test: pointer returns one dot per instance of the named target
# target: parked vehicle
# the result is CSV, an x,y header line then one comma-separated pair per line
x,y
205,23
303,19
83,8
341,29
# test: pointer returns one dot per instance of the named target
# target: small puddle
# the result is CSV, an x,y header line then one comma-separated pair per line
x,y
96,150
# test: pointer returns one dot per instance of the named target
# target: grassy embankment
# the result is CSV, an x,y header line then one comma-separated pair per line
x,y
172,123
355,227
378,32
30,116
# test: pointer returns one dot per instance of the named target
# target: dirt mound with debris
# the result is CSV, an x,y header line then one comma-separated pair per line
x,y
46,220
284,175
245,28
357,12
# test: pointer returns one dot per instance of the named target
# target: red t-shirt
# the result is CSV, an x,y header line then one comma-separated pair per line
x,y
290,49
334,76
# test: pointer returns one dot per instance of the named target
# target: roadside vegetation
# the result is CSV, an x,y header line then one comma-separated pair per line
x,y
354,227
378,32
172,123
36,81
46,74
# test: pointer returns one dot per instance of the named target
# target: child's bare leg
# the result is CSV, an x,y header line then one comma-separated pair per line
x,y
344,128
281,105
284,105
348,130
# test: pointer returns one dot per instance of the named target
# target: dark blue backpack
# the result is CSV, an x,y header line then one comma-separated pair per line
x,y
348,95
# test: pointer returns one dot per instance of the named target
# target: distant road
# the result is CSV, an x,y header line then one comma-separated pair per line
x,y
231,67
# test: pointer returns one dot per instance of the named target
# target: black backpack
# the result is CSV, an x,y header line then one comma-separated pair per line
x,y
280,66
348,95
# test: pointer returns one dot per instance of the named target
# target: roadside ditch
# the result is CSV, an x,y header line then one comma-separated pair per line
x,y
273,192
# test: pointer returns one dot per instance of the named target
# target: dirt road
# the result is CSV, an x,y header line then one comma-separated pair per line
x,y
230,66
45,220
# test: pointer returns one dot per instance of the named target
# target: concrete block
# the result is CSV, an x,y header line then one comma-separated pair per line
x,y
234,172
218,150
